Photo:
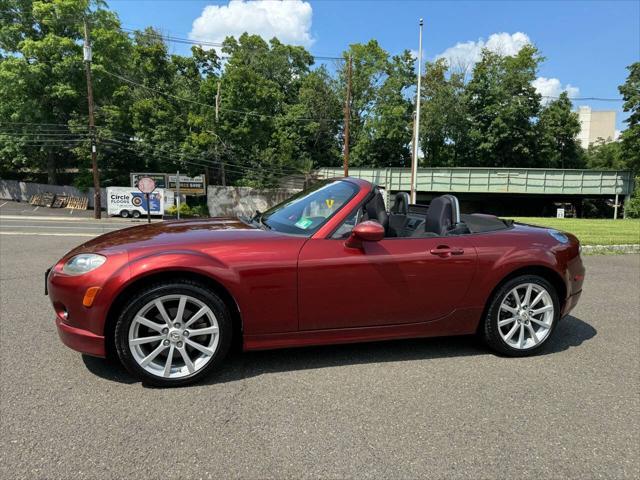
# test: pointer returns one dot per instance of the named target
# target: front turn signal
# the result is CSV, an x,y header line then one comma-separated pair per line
x,y
90,296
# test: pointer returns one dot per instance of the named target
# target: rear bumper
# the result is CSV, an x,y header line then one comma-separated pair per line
x,y
571,302
81,340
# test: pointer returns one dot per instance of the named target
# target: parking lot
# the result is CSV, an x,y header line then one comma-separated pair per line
x,y
437,408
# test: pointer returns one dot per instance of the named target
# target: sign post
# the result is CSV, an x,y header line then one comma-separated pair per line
x,y
178,192
146,185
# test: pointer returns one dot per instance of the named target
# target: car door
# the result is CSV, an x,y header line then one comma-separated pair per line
x,y
393,281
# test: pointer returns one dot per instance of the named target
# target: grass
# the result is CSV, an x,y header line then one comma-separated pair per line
x,y
592,231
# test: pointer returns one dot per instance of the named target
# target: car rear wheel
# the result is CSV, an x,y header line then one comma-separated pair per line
x,y
522,316
124,213
136,214
173,334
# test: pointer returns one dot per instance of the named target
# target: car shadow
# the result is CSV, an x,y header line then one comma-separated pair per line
x,y
571,332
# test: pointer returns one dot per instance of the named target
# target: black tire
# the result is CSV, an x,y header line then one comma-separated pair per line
x,y
124,213
136,214
490,330
177,287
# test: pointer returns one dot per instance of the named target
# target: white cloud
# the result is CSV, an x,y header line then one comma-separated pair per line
x,y
464,55
289,21
552,87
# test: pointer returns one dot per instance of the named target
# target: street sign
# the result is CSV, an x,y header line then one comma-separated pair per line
x,y
188,185
159,178
560,213
146,185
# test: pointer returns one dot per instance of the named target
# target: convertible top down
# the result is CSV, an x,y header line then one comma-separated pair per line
x,y
330,265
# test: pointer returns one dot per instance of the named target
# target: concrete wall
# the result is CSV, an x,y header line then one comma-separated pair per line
x,y
596,124
22,191
234,201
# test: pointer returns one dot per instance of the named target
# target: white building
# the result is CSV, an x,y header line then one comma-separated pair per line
x,y
596,125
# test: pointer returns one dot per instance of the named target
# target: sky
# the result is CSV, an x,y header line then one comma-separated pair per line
x,y
586,44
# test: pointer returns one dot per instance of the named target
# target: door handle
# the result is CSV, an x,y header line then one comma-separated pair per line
x,y
446,251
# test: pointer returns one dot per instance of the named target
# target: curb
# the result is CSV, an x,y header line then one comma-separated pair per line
x,y
596,249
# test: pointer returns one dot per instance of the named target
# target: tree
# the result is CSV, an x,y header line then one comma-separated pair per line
x,y
387,126
380,122
603,155
443,124
502,106
312,142
42,85
558,128
630,138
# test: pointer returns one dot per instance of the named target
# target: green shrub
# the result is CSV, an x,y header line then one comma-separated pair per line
x,y
187,212
632,209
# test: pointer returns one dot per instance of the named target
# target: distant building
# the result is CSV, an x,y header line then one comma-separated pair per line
x,y
596,125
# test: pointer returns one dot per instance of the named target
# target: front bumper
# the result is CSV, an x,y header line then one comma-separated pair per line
x,y
81,340
81,327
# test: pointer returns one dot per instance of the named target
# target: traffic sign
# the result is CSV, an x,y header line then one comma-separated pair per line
x,y
146,185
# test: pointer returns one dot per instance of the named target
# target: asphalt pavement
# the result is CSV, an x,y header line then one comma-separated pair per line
x,y
435,408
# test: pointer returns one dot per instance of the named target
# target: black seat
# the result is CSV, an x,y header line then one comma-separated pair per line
x,y
377,211
398,215
443,215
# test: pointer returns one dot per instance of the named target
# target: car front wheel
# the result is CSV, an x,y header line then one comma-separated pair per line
x,y
173,334
522,316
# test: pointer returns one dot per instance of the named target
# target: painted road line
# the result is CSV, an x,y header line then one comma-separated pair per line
x,y
3,204
40,234
113,221
101,229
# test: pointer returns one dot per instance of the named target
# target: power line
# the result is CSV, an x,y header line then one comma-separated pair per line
x,y
207,43
580,99
166,147
228,110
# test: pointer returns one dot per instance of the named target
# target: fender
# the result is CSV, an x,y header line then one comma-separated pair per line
x,y
496,263
184,260
264,292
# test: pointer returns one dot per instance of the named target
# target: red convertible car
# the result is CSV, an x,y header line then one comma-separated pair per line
x,y
329,265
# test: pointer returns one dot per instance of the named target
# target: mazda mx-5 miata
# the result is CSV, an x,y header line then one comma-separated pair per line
x,y
329,265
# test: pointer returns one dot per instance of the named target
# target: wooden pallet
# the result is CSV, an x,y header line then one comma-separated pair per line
x,y
43,199
77,203
60,201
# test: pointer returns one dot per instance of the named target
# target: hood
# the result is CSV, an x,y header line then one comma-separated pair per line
x,y
181,232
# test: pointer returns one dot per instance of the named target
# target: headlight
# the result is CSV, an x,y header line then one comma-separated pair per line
x,y
559,236
83,263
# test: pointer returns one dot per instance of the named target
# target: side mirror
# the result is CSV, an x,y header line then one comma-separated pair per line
x,y
368,231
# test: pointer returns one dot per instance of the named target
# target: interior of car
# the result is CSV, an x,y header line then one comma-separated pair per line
x,y
441,217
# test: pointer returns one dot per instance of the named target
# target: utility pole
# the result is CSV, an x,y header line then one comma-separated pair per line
x,y
97,210
414,160
347,119
223,180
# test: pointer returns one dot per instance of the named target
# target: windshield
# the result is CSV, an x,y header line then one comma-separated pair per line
x,y
307,211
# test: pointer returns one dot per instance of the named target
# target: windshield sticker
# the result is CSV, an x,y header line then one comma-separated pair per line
x,y
329,202
304,223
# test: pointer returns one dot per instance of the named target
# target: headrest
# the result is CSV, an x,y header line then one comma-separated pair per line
x,y
401,203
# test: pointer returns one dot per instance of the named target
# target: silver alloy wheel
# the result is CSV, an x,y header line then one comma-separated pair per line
x,y
174,336
526,315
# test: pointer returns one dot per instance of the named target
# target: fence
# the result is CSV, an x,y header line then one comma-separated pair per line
x,y
22,191
233,201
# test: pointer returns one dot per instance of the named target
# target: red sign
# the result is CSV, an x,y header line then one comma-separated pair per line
x,y
146,185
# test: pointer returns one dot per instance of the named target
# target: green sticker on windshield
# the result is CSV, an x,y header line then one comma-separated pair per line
x,y
304,223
